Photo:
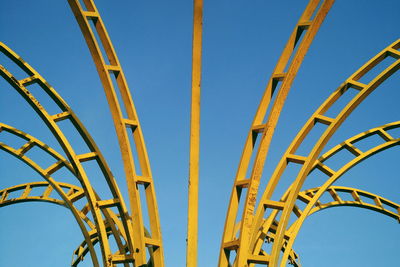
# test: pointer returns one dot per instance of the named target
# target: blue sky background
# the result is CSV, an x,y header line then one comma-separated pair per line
x,y
242,42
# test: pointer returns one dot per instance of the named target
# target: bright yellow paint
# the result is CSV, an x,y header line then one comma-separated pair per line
x,y
193,189
138,246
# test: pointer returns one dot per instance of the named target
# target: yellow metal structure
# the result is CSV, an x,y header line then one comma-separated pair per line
x,y
286,205
97,207
311,197
108,69
264,125
308,162
120,232
193,196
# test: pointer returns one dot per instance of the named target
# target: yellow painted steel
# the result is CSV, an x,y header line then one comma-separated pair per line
x,y
334,123
108,69
67,200
109,258
351,145
74,193
335,192
138,247
193,187
284,74
308,162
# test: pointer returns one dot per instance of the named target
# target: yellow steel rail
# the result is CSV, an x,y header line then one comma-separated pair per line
x,y
108,69
337,194
193,188
307,162
308,196
67,199
283,74
24,193
75,193
97,206
315,195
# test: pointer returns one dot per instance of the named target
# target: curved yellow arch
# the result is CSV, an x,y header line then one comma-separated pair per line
x,y
67,199
284,73
74,193
349,145
315,195
311,197
337,194
333,125
111,221
109,68
97,206
307,162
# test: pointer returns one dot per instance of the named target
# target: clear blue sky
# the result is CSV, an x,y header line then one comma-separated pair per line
x,y
242,42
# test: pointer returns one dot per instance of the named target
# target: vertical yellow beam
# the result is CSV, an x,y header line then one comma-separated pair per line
x,y
192,234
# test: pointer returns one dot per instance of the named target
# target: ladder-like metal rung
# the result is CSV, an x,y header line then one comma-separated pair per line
x,y
4,196
279,76
394,53
352,149
90,14
297,211
130,123
378,202
325,169
86,156
324,119
305,198
385,136
356,85
54,167
295,159
356,196
28,81
25,148
93,234
145,180
304,24
113,68
121,258
47,192
107,203
258,128
85,209
231,245
60,116
75,196
26,192
258,259
150,242
243,183
334,195
274,204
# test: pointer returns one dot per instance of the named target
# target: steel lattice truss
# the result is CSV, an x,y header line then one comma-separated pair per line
x,y
262,220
